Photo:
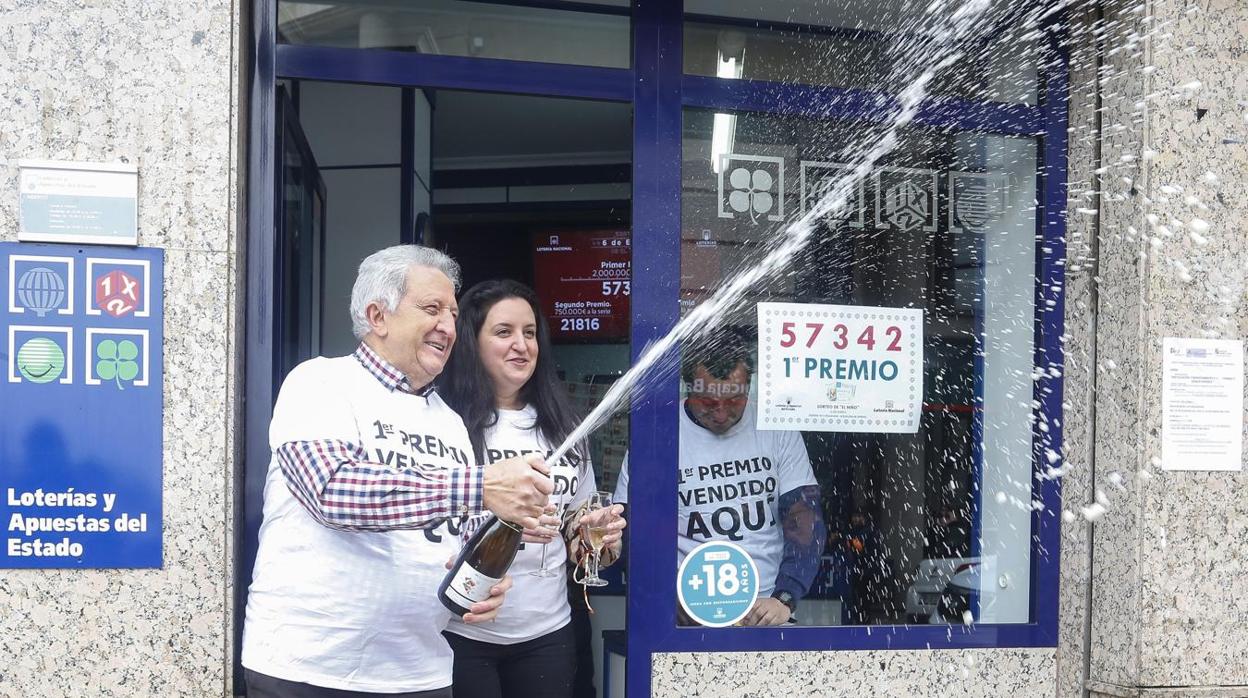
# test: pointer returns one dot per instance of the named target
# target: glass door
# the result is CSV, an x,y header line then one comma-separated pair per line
x,y
945,224
498,131
301,241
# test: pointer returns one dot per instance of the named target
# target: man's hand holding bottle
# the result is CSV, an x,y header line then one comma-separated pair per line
x,y
518,490
487,610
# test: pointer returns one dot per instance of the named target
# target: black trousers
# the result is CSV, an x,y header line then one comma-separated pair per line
x,y
539,668
583,637
263,686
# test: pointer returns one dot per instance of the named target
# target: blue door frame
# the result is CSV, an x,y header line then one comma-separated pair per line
x,y
658,90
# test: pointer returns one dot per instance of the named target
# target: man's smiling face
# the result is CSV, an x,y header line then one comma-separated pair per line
x,y
417,337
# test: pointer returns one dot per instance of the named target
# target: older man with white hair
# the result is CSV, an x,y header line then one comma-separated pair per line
x,y
366,460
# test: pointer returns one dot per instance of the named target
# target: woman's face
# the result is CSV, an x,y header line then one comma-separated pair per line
x,y
507,345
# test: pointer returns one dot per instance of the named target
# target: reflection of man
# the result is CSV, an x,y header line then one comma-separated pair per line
x,y
737,483
949,535
862,548
344,595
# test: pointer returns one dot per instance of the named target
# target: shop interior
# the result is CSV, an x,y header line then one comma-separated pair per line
x,y
535,189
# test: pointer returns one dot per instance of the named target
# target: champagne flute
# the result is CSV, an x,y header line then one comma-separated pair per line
x,y
595,534
542,570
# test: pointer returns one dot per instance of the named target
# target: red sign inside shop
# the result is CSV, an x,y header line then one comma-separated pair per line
x,y
584,279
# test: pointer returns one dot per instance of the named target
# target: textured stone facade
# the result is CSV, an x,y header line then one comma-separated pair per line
x,y
1167,586
966,673
152,84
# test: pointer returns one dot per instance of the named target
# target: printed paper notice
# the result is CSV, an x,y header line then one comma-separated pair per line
x,y
1202,404
840,368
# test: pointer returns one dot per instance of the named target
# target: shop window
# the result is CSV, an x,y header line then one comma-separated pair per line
x,y
930,524
853,45
461,28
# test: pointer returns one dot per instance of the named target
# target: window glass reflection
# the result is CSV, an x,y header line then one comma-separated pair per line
x,y
929,527
462,28
854,45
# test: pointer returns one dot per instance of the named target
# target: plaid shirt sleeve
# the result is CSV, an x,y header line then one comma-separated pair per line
x,y
337,485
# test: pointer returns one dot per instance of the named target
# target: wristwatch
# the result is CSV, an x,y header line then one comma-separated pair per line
x,y
786,598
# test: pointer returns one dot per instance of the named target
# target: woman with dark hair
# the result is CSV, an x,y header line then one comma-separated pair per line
x,y
501,380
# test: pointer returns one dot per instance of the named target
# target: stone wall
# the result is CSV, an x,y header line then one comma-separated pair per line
x,y
963,673
1168,602
152,84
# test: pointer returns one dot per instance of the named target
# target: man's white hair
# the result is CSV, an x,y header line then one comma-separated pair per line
x,y
383,279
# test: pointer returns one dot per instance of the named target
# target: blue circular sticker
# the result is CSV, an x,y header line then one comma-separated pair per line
x,y
718,584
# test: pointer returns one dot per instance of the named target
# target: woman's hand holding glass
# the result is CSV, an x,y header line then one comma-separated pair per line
x,y
610,518
547,527
602,528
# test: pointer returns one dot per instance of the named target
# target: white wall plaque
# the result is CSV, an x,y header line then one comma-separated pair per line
x,y
1202,404
78,202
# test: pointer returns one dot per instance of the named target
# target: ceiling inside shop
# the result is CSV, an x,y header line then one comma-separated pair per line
x,y
476,130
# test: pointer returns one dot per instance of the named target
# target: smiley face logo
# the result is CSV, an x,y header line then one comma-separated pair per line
x,y
40,360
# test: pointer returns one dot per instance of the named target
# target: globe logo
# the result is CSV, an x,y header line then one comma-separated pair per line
x,y
40,360
41,290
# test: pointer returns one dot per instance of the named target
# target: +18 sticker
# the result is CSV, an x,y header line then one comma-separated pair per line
x,y
718,583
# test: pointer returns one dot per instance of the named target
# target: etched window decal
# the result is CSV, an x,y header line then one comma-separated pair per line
x,y
755,187
977,200
905,198
817,178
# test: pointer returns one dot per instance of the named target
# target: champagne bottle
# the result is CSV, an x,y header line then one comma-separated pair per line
x,y
481,564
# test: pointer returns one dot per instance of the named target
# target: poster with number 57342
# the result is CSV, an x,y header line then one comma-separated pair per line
x,y
839,368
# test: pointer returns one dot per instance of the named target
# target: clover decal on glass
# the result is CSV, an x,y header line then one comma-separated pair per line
x,y
751,192
755,187
977,200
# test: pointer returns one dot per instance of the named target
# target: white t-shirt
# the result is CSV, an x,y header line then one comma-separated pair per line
x,y
535,606
730,486
355,611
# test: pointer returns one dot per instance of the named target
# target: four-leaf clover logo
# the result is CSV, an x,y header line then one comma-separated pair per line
x,y
751,192
117,361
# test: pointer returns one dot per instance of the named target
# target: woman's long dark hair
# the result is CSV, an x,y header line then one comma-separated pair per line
x,y
467,388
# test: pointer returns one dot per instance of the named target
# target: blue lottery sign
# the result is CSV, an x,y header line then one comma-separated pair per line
x,y
718,583
81,406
